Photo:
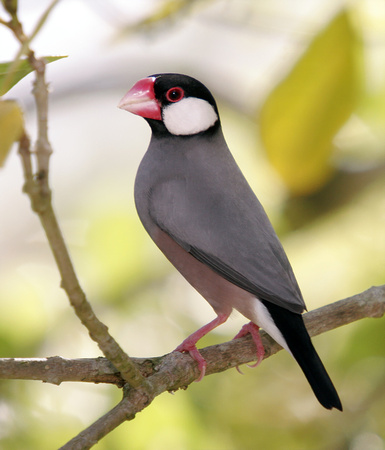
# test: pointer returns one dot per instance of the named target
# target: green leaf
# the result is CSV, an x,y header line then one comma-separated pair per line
x,y
11,127
304,112
9,77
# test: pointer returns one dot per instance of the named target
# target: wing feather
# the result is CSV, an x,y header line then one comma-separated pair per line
x,y
230,233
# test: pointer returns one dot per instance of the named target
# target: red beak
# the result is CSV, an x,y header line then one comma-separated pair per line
x,y
140,100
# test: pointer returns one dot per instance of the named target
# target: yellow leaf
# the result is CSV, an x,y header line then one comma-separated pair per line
x,y
11,127
304,112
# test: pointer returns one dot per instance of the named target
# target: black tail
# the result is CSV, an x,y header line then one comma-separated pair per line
x,y
293,329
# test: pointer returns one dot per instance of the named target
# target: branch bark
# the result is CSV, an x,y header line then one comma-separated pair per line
x,y
180,370
175,370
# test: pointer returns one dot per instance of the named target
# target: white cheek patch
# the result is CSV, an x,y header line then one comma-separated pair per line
x,y
190,115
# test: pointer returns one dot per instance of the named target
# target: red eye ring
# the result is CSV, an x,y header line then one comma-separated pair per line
x,y
175,94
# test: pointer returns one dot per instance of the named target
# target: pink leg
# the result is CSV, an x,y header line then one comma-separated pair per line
x,y
189,344
253,329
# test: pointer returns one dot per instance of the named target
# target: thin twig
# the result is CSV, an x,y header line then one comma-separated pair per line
x,y
41,204
38,189
43,149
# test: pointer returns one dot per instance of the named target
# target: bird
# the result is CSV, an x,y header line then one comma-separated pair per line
x,y
198,208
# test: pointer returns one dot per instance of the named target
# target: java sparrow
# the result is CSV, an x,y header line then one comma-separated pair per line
x,y
197,206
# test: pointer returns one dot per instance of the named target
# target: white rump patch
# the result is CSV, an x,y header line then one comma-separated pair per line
x,y
263,319
189,116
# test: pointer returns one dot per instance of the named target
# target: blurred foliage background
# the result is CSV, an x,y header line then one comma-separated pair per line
x,y
301,91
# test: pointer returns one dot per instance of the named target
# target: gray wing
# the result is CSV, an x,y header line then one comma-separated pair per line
x,y
223,225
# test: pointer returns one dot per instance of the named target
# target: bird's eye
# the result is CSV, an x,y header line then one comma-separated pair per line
x,y
175,94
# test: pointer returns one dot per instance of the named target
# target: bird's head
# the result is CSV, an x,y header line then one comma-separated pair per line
x,y
172,103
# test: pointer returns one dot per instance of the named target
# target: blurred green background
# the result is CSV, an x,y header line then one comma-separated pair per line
x,y
301,92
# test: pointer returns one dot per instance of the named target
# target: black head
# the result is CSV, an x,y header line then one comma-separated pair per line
x,y
173,104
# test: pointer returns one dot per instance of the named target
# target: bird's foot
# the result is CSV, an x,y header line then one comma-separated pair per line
x,y
189,347
253,329
189,344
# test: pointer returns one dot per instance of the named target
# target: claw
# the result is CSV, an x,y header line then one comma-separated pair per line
x,y
256,364
239,370
253,329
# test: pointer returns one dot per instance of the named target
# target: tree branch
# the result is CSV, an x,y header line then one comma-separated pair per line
x,y
124,410
175,370
38,189
180,370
